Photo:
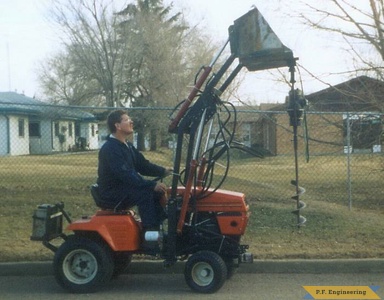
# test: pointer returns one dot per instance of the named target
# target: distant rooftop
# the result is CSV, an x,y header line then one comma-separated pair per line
x,y
13,102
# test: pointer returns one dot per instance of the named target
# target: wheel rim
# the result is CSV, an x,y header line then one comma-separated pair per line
x,y
202,274
80,266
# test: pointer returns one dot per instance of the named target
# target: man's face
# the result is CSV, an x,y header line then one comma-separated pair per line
x,y
126,125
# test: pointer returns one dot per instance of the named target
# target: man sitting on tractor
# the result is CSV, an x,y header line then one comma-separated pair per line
x,y
119,174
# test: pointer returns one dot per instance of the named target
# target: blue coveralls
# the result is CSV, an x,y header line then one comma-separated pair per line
x,y
119,179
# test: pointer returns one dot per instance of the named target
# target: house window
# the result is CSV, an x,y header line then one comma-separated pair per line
x,y
93,130
34,129
21,127
70,129
57,129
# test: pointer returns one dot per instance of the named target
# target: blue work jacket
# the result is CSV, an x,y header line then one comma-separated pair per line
x,y
119,172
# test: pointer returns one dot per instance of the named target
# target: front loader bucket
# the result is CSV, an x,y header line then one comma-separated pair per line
x,y
256,45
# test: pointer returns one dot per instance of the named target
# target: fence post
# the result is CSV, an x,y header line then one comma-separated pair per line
x,y
349,183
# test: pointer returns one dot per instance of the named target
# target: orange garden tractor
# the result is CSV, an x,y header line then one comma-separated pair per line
x,y
205,224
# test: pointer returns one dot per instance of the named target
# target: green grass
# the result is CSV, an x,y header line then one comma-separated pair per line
x,y
332,230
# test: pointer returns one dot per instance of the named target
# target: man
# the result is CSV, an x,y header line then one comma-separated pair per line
x,y
119,173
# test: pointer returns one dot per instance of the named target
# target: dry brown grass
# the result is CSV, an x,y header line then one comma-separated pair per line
x,y
332,230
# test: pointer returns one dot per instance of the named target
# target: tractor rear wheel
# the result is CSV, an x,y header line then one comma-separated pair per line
x,y
205,272
82,265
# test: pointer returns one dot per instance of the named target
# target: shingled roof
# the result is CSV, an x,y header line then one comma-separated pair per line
x,y
358,94
12,102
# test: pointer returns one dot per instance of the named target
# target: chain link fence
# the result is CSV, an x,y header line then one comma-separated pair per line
x,y
49,153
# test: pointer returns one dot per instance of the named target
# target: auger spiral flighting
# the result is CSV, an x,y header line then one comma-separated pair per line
x,y
296,105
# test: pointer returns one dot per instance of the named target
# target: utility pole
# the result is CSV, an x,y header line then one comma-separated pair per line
x,y
9,66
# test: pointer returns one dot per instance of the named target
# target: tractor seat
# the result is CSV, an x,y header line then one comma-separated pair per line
x,y
104,205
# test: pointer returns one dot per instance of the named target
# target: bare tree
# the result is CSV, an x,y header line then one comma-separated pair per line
x,y
359,27
163,62
144,55
140,51
91,51
359,24
64,82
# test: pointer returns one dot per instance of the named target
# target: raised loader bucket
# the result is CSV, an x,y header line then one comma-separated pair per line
x,y
256,45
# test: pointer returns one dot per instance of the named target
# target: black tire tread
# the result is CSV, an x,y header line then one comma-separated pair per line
x,y
218,265
102,254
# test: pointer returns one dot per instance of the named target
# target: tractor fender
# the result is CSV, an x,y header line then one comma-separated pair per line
x,y
120,232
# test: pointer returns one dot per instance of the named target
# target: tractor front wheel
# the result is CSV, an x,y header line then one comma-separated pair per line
x,y
205,272
82,265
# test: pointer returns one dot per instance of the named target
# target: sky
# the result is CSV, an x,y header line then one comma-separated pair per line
x,y
27,39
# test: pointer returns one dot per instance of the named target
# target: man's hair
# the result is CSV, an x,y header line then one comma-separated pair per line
x,y
113,118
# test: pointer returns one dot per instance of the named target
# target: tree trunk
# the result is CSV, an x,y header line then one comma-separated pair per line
x,y
140,141
154,139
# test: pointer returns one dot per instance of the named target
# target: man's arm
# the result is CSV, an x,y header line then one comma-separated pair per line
x,y
123,170
145,167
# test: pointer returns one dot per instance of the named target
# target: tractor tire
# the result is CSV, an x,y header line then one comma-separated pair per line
x,y
205,272
82,265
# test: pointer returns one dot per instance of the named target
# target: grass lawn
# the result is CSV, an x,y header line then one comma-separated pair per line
x,y
332,230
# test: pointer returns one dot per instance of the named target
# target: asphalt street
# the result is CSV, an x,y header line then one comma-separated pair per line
x,y
320,266
272,280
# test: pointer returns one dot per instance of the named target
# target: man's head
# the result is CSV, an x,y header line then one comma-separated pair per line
x,y
119,121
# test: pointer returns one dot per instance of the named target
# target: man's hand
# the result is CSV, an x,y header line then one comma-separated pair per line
x,y
160,188
168,172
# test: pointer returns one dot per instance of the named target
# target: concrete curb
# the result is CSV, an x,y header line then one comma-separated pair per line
x,y
321,266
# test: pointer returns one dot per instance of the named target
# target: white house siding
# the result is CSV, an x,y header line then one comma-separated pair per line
x,y
4,135
94,140
70,136
19,145
90,132
37,121
42,144
69,140
56,145
103,133
46,136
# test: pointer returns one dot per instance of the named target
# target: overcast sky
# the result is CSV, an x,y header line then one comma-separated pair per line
x,y
26,39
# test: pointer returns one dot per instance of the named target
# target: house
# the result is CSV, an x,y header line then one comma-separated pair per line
x,y
360,94
255,130
354,107
29,126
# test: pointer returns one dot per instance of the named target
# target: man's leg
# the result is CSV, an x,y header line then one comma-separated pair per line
x,y
145,202
160,210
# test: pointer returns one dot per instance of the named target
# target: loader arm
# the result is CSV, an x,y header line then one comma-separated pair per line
x,y
255,46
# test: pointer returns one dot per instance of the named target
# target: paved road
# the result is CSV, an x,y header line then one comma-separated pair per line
x,y
264,279
319,266
172,286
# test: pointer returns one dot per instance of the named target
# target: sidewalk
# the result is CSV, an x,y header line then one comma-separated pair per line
x,y
321,266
